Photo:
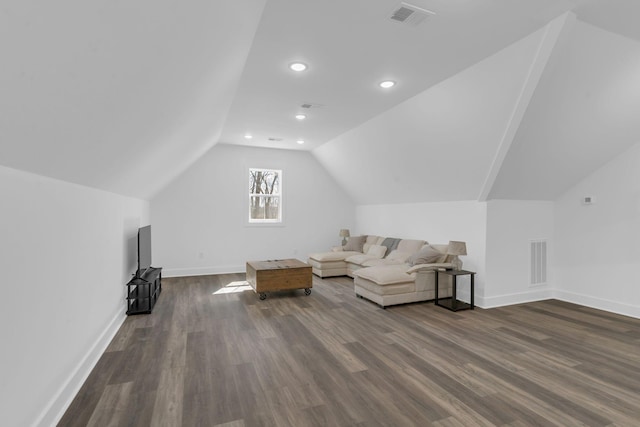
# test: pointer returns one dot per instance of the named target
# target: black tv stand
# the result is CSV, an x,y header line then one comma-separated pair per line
x,y
143,291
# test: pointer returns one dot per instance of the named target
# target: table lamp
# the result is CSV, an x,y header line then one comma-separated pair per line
x,y
344,233
456,249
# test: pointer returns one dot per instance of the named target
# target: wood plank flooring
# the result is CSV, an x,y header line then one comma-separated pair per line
x,y
208,356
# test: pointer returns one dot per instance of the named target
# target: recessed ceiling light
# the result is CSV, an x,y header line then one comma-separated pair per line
x,y
300,141
298,66
387,84
248,136
301,116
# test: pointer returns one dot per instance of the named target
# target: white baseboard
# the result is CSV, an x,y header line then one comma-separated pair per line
x,y
203,271
599,303
543,294
55,409
510,299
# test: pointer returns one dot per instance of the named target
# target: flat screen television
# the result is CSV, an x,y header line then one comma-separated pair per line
x,y
144,250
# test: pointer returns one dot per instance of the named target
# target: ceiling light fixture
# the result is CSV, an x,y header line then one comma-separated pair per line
x,y
247,136
300,141
387,84
298,66
301,116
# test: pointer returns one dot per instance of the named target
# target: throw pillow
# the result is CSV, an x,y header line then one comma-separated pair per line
x,y
355,243
377,251
426,255
396,255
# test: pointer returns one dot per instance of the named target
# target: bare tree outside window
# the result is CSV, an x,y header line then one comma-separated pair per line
x,y
265,197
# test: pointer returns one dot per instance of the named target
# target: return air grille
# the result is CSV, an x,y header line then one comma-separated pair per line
x,y
311,105
538,262
402,14
409,14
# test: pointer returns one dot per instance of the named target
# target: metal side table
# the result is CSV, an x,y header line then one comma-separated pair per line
x,y
452,303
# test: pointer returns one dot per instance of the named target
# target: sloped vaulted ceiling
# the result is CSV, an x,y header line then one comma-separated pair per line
x,y
118,95
495,98
441,144
526,123
350,46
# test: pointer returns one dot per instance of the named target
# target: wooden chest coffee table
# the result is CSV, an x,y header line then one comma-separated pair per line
x,y
279,275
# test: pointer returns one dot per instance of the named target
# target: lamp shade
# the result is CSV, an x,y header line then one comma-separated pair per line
x,y
457,248
344,232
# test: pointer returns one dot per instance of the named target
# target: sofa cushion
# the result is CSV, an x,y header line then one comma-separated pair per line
x,y
429,267
427,255
386,274
370,241
355,243
391,289
397,255
333,256
409,245
322,265
377,251
359,259
383,261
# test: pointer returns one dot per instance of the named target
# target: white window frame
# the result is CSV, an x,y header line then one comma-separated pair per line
x,y
279,195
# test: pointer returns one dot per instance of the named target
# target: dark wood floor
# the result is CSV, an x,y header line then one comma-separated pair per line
x,y
207,359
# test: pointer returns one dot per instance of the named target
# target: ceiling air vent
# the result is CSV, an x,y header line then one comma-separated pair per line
x,y
310,105
409,14
275,139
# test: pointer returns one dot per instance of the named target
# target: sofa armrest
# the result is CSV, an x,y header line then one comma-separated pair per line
x,y
430,267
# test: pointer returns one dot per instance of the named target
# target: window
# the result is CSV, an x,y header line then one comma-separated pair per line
x,y
265,196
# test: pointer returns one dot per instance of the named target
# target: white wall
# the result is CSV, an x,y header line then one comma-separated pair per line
x,y
199,220
66,252
597,250
435,223
511,225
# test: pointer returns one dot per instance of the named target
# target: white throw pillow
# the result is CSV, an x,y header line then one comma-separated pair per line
x,y
396,255
377,251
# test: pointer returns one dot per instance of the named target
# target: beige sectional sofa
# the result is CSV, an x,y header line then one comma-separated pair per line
x,y
371,251
402,271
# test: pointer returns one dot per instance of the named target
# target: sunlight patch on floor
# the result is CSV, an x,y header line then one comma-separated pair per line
x,y
234,288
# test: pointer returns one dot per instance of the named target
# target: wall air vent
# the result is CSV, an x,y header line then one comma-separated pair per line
x,y
409,14
538,262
